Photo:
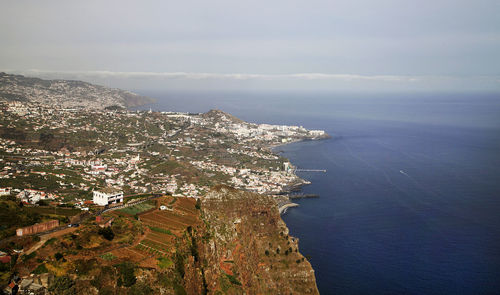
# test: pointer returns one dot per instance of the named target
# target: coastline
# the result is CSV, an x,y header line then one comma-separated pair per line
x,y
299,182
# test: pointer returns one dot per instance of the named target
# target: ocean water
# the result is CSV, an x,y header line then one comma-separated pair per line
x,y
410,202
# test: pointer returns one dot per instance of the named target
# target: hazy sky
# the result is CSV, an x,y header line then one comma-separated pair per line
x,y
273,44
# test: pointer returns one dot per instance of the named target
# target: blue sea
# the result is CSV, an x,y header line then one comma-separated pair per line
x,y
410,202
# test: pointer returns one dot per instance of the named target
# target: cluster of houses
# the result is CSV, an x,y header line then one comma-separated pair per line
x,y
33,196
125,138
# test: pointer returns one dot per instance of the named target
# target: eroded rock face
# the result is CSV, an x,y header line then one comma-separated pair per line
x,y
249,250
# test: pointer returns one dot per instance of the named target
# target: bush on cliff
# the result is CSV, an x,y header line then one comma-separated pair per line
x,y
107,233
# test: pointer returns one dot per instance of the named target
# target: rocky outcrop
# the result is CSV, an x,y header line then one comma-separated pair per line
x,y
247,247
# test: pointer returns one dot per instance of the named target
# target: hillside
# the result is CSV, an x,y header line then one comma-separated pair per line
x,y
232,242
250,250
66,93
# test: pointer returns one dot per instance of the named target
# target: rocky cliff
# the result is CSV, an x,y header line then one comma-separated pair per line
x,y
249,249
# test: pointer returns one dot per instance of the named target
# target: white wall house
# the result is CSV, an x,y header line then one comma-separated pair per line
x,y
107,196
4,191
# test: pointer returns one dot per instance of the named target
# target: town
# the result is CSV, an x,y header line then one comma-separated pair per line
x,y
71,152
83,183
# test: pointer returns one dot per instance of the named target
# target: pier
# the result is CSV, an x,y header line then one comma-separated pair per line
x,y
310,170
302,196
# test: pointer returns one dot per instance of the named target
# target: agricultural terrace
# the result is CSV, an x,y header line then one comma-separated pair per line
x,y
164,229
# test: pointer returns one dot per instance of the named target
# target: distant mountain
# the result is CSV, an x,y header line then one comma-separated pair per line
x,y
66,93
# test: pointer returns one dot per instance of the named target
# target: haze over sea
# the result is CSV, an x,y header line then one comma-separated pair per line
x,y
410,203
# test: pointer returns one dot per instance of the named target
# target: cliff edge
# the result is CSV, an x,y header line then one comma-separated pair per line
x,y
250,250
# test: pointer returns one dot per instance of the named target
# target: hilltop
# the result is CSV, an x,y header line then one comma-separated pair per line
x,y
66,93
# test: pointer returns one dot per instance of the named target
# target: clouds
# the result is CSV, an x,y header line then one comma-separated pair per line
x,y
214,76
255,81
387,41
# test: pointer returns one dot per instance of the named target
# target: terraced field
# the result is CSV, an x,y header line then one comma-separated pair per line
x,y
163,227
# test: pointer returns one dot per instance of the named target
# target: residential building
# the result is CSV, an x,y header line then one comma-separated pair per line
x,y
108,196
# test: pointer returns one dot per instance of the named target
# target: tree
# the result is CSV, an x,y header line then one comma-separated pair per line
x,y
58,256
127,277
42,203
63,285
107,233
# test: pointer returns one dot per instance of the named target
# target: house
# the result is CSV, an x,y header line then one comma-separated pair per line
x,y
107,196
4,258
4,191
32,196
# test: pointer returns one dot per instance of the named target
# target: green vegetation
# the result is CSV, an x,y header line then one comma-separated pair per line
x,y
62,285
27,257
47,183
85,266
107,233
132,210
179,264
179,289
40,269
126,274
140,289
161,230
128,199
233,280
164,262
54,211
108,256
13,215
58,256
50,241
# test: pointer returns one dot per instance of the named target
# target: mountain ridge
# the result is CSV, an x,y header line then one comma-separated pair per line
x,y
67,93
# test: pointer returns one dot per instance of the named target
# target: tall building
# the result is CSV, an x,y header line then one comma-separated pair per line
x,y
108,196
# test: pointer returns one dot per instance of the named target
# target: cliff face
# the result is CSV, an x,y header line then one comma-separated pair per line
x,y
249,250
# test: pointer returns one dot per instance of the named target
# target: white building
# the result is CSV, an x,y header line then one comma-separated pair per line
x,y
108,196
4,191
317,132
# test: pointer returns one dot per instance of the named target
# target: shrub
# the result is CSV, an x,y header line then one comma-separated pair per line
x,y
127,274
140,289
233,280
108,256
83,266
63,285
40,269
50,241
25,258
179,264
107,233
164,262
58,256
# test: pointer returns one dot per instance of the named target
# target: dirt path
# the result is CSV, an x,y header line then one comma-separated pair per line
x,y
45,238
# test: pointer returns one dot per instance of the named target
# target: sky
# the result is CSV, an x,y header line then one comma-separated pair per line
x,y
358,45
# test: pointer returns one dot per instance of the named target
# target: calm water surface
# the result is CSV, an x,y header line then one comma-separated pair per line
x,y
410,203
